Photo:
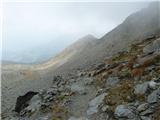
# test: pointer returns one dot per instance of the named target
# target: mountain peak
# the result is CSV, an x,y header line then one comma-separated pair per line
x,y
88,37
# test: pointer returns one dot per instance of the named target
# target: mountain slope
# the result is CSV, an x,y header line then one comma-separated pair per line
x,y
82,54
138,26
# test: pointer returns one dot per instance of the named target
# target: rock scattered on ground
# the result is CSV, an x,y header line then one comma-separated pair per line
x,y
125,86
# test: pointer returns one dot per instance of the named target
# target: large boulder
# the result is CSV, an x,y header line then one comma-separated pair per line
x,y
95,103
142,107
154,96
22,101
152,47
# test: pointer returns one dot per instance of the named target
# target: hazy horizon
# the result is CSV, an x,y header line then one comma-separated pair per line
x,y
38,31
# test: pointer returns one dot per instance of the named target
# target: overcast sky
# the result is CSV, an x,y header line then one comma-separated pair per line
x,y
30,25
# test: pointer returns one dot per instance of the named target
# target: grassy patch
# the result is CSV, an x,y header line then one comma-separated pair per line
x,y
120,94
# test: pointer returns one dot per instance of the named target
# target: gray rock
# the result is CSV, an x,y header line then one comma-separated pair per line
x,y
78,89
146,112
153,97
33,106
95,103
42,92
80,85
111,81
155,46
142,107
35,99
123,111
88,80
152,85
141,88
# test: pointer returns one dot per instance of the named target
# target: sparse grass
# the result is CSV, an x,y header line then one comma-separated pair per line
x,y
99,82
140,97
120,57
59,112
125,73
131,61
61,97
123,92
120,94
156,114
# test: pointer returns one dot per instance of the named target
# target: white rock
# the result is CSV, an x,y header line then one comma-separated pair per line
x,y
152,84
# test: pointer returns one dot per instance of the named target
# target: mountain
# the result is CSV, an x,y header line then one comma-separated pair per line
x,y
138,26
115,90
83,54
74,52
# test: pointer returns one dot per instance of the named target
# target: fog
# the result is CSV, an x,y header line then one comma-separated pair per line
x,y
34,32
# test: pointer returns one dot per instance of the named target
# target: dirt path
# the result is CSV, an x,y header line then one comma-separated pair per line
x,y
85,92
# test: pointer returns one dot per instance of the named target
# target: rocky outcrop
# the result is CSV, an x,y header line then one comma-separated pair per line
x,y
22,101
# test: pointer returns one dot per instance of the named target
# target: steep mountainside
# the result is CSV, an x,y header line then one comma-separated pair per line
x,y
74,52
136,27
